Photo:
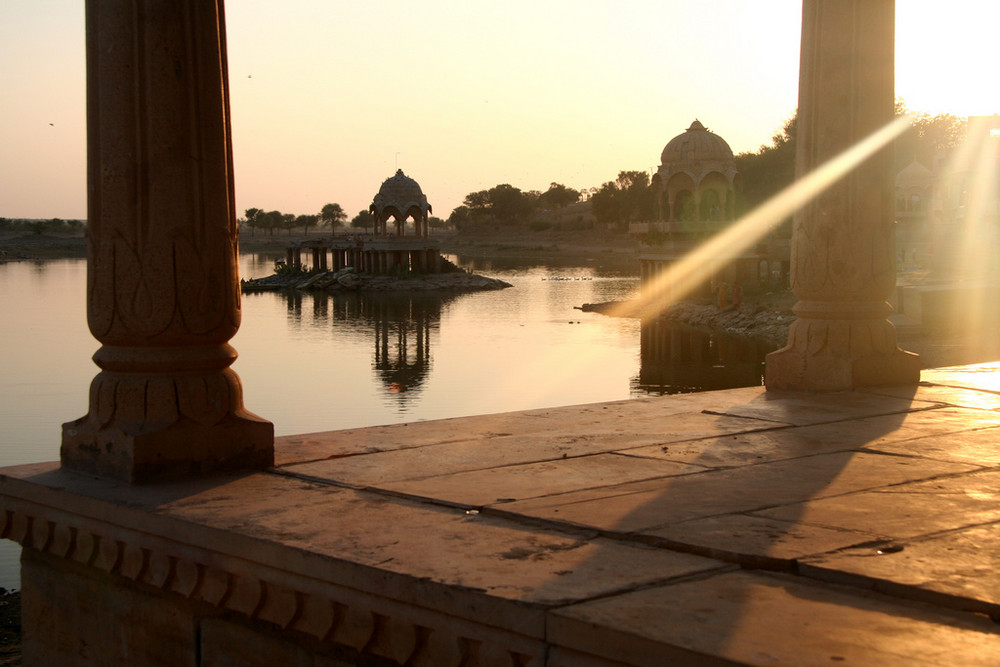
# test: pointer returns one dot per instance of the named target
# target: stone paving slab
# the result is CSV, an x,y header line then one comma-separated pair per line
x,y
981,377
784,443
904,511
980,446
759,540
958,396
769,619
804,408
959,569
641,506
510,483
493,451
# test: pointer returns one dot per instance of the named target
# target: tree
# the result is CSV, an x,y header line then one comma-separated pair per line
x,y
461,217
627,198
271,220
332,215
363,220
507,203
927,137
253,218
306,221
436,223
288,221
558,196
477,202
768,170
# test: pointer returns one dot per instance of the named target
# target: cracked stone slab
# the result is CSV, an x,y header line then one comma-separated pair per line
x,y
641,506
959,568
762,619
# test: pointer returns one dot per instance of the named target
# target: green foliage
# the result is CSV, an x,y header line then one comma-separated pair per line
x,y
768,170
627,198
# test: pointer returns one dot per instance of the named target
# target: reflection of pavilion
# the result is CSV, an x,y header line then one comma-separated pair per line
x,y
402,325
676,358
403,340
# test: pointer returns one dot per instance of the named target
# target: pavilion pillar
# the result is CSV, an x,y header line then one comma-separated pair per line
x,y
843,255
163,294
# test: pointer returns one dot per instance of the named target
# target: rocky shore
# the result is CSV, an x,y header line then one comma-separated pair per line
x,y
349,280
767,319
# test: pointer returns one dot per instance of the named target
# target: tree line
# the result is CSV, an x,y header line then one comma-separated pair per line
x,y
631,196
41,226
331,216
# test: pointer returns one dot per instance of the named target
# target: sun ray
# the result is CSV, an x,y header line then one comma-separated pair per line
x,y
696,267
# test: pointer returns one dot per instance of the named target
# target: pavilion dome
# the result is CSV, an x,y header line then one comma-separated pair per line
x,y
402,193
696,145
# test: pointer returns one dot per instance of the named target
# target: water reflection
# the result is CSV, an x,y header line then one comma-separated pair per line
x,y
677,358
400,327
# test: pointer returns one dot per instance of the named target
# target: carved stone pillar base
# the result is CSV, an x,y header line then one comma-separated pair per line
x,y
840,346
146,426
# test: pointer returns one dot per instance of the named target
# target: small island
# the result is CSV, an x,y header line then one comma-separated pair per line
x,y
383,262
348,279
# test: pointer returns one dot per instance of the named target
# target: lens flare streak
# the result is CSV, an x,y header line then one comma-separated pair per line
x,y
697,266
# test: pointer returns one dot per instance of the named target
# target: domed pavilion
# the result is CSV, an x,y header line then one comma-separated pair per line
x,y
400,198
696,183
695,188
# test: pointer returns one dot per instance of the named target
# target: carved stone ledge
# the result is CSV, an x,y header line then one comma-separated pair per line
x,y
330,613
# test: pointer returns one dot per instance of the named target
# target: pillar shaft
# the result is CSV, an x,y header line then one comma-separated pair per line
x,y
843,266
163,291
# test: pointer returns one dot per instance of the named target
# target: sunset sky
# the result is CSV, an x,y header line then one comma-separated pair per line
x,y
329,97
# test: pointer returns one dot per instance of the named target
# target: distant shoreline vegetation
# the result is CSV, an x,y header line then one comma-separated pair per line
x,y
41,226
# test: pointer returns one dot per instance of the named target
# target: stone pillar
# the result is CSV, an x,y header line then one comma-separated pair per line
x,y
163,294
843,255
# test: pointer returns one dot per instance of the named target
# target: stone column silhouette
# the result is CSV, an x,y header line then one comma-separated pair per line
x,y
163,292
843,255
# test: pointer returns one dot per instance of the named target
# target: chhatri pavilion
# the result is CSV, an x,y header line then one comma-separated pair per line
x,y
695,188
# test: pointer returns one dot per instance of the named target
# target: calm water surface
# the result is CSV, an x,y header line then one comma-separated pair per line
x,y
319,362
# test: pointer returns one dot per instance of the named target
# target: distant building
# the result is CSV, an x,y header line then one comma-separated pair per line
x,y
695,189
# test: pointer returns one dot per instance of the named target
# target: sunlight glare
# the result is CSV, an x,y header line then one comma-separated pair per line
x,y
973,171
696,267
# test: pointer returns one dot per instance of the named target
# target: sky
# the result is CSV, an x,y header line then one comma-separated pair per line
x,y
330,97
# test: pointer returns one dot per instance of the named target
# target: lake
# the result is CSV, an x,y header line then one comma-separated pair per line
x,y
319,362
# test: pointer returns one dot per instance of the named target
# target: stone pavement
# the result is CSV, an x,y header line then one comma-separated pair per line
x,y
730,527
